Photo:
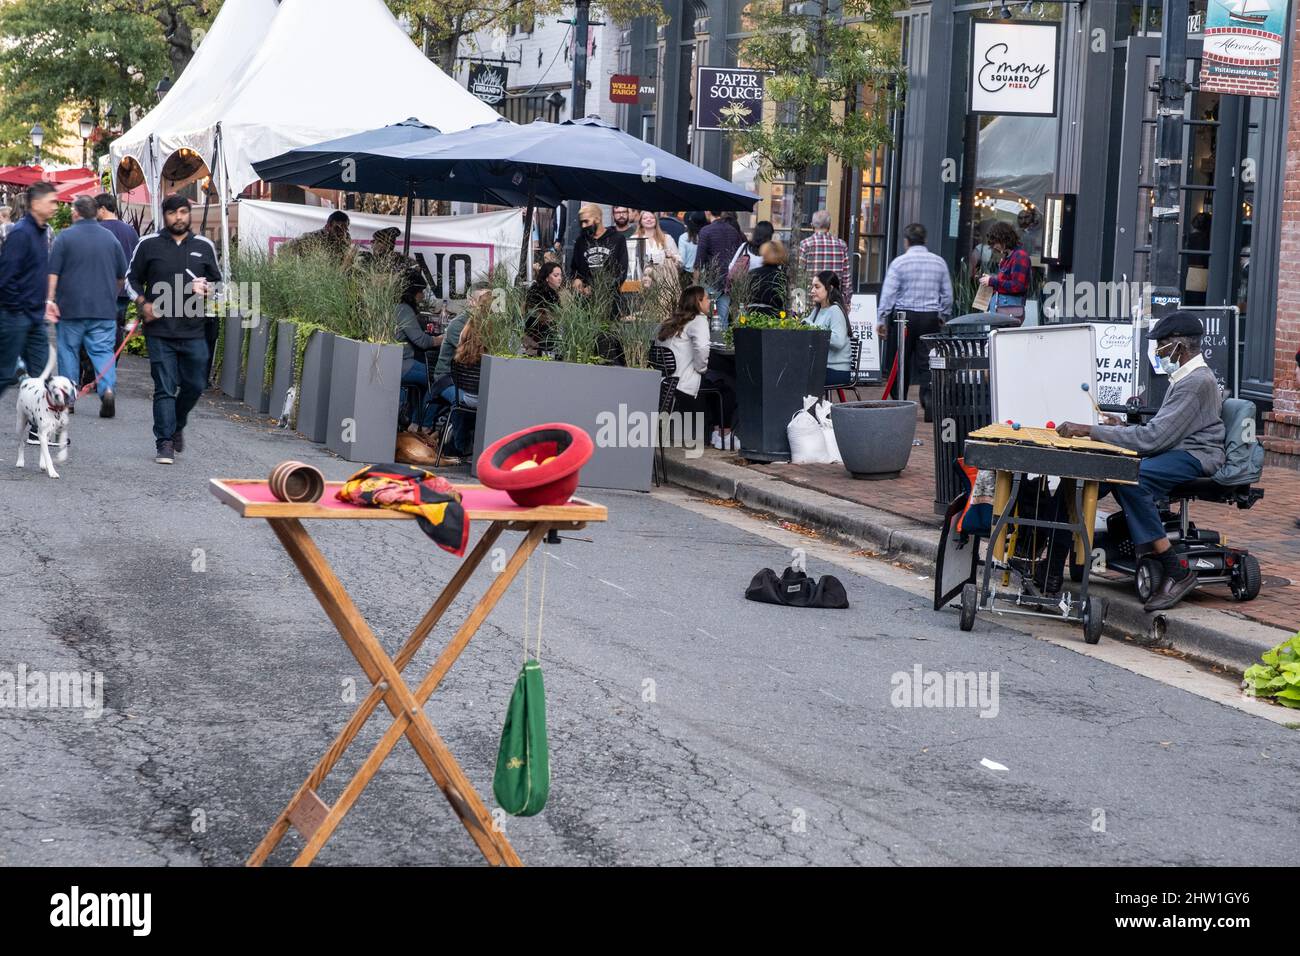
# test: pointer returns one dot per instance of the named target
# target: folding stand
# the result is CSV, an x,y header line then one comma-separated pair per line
x,y
306,812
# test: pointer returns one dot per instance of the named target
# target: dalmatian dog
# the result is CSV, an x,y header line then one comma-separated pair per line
x,y
43,403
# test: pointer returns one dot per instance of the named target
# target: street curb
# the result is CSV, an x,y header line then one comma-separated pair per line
x,y
1205,634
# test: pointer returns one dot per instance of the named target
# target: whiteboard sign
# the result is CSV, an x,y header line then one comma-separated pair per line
x,y
1013,68
1115,371
1038,374
862,322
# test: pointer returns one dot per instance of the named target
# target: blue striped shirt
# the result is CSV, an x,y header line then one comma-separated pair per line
x,y
917,281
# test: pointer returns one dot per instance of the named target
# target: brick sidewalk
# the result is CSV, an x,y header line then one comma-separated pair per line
x,y
1268,530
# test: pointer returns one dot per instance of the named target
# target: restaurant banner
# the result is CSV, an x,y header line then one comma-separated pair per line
x,y
1013,67
488,82
1242,49
729,97
453,251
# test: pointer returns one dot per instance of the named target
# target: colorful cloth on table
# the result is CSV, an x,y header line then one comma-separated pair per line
x,y
433,500
822,252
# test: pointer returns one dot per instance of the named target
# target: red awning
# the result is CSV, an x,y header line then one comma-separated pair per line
x,y
70,175
83,187
21,175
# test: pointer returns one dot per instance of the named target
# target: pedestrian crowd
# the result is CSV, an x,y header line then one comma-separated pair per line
x,y
72,292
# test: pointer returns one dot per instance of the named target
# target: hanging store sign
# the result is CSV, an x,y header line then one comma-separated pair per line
x,y
1242,50
488,82
729,97
629,88
1013,68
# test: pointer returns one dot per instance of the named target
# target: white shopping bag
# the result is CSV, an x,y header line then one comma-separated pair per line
x,y
806,435
823,413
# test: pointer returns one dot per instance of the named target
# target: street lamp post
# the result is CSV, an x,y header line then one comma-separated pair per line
x,y
577,104
38,137
86,127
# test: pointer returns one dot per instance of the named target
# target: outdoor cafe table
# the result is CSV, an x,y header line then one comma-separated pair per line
x,y
307,812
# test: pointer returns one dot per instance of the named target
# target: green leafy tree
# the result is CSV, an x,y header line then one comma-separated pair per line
x,y
60,58
836,72
442,24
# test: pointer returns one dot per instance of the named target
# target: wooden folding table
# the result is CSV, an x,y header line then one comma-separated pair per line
x,y
307,812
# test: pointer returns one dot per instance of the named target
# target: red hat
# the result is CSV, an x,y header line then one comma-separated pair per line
x,y
559,451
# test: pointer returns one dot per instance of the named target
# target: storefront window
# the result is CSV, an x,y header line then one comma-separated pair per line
x,y
1014,169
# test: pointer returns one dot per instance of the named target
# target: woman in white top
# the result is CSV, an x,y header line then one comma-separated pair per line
x,y
660,258
686,334
828,313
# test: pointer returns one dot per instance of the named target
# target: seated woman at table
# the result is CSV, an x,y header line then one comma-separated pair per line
x,y
469,352
686,334
828,313
417,342
542,298
767,290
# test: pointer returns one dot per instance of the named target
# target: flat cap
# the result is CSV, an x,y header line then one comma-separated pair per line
x,y
1178,324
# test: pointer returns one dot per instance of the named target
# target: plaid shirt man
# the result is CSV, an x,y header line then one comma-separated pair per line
x,y
917,281
822,252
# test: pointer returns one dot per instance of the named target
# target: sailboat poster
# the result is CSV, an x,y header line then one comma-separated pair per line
x,y
1242,52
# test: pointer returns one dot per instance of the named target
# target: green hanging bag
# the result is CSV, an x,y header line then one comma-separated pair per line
x,y
523,777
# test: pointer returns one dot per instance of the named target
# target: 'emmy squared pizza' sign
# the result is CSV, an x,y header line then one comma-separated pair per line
x,y
1013,68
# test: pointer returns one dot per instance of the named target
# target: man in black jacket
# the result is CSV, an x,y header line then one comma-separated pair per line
x,y
598,251
170,276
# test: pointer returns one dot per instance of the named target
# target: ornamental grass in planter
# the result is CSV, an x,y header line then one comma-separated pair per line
x,y
577,384
366,372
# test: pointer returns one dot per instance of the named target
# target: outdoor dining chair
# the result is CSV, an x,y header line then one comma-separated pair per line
x,y
464,379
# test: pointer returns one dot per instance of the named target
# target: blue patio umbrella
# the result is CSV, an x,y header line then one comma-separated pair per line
x,y
584,159
359,163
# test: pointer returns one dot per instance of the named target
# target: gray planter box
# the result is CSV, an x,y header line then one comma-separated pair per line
x,y
257,391
874,438
232,351
612,404
365,389
314,398
282,380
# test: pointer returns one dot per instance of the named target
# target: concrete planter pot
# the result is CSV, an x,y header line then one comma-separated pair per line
x,y
775,369
282,378
232,355
365,389
257,391
875,438
617,406
314,394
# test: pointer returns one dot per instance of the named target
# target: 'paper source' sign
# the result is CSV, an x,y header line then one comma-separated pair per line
x,y
1013,68
729,97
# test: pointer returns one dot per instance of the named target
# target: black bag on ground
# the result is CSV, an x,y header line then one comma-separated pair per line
x,y
796,589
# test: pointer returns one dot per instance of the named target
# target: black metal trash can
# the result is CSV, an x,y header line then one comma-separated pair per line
x,y
963,400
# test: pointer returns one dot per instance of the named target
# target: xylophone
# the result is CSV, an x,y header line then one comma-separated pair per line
x,y
1082,464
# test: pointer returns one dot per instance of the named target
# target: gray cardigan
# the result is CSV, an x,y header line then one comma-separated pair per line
x,y
1188,420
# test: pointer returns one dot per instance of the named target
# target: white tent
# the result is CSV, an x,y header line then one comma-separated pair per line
x,y
324,69
186,117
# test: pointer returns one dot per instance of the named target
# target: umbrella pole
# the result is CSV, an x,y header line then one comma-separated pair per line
x,y
410,201
525,252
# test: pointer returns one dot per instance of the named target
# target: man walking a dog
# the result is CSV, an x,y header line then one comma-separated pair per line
x,y
24,272
169,277
87,269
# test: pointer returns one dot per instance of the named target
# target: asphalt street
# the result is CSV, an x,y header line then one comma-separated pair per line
x,y
687,725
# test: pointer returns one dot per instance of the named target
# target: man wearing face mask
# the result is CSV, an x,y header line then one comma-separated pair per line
x,y
598,251
1185,440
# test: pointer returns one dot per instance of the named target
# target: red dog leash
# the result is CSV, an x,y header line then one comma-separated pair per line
x,y
85,389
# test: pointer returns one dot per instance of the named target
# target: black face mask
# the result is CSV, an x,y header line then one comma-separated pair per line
x,y
589,230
